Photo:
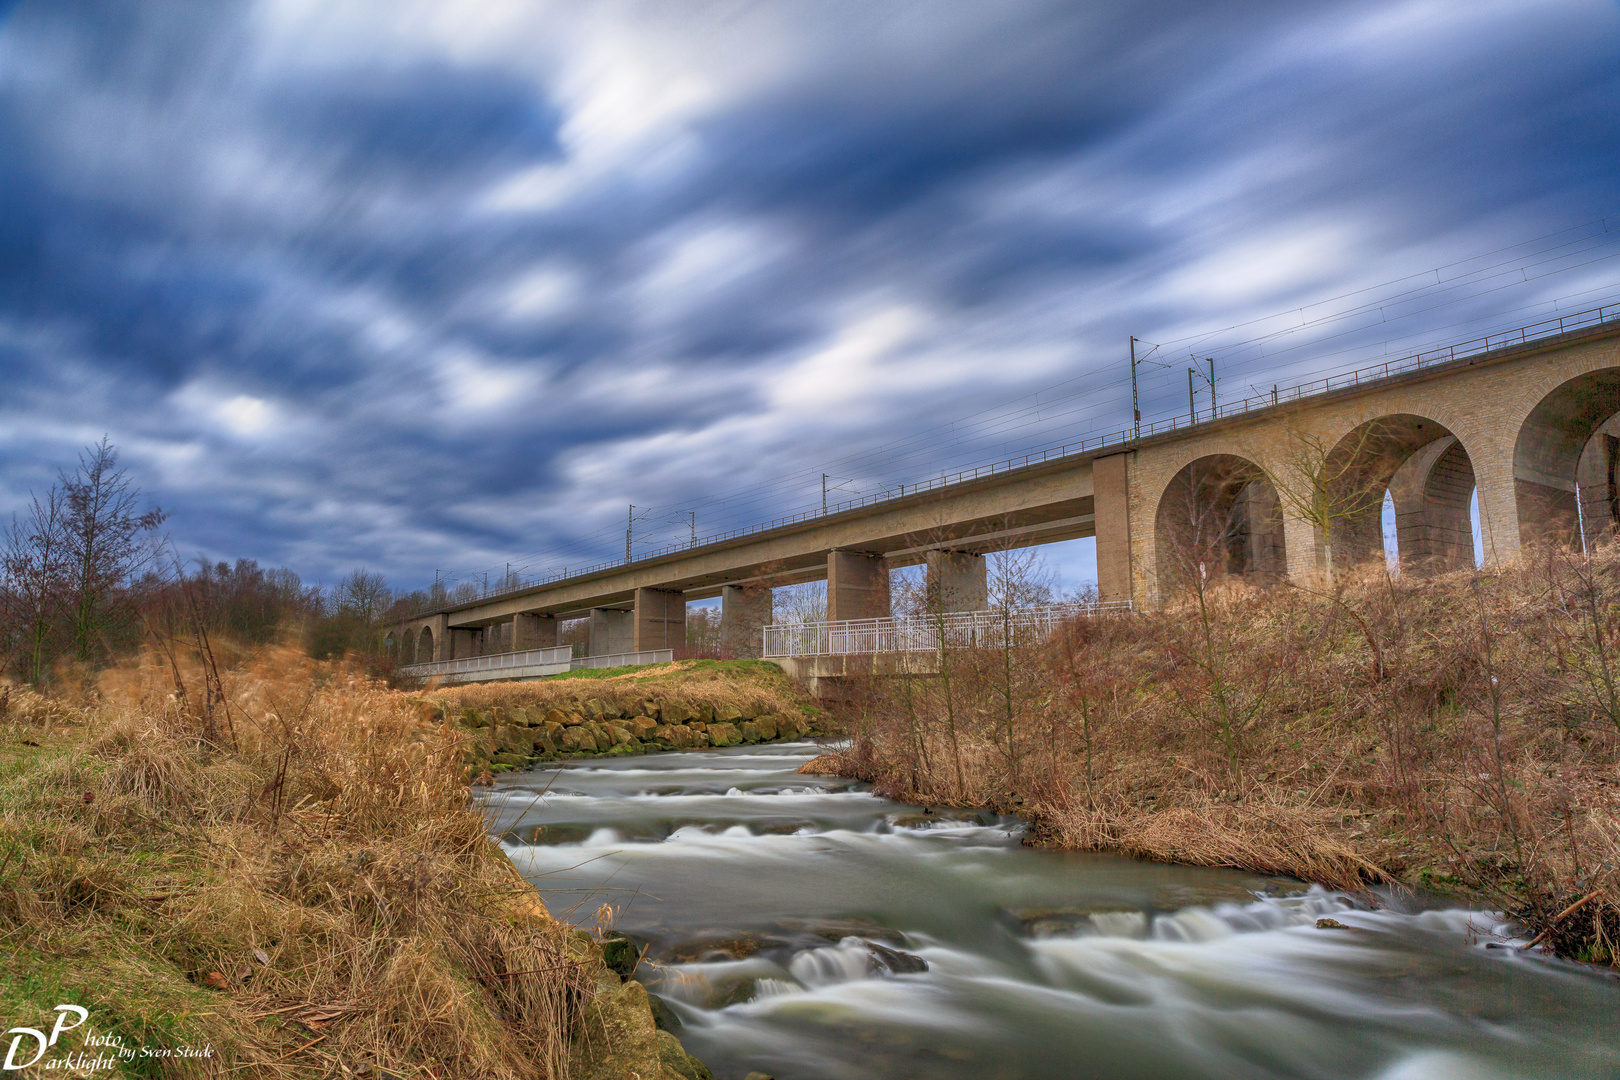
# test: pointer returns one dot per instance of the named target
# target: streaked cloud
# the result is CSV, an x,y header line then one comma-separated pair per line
x,y
438,286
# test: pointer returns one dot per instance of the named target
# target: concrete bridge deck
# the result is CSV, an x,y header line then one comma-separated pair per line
x,y
1524,419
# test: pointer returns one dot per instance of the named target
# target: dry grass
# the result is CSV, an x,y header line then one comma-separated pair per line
x,y
753,687
1460,734
287,868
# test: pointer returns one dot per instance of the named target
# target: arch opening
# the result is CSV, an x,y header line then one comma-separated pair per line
x,y
1398,488
424,645
1566,463
1219,517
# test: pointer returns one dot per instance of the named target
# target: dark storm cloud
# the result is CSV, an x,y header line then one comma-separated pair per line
x,y
437,286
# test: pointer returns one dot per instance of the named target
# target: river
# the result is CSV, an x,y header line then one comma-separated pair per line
x,y
805,928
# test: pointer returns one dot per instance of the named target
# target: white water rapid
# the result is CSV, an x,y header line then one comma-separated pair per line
x,y
801,927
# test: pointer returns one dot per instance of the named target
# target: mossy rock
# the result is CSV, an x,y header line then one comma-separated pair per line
x,y
618,1037
620,954
677,1061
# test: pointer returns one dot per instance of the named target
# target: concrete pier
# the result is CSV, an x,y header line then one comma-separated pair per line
x,y
660,620
857,586
533,632
957,581
744,612
463,643
612,631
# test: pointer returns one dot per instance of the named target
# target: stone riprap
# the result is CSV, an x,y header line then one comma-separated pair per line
x,y
514,737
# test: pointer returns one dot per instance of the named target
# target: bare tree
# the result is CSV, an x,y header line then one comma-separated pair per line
x,y
363,594
1332,488
35,566
109,541
803,603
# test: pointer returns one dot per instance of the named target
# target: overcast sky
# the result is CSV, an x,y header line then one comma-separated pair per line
x,y
444,286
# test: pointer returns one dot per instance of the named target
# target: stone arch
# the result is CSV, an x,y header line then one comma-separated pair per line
x,y
1219,513
1427,473
424,645
1568,444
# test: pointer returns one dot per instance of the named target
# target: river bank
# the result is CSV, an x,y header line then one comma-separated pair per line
x,y
1456,735
272,866
686,705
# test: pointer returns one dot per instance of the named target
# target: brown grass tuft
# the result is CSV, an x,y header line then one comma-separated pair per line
x,y
290,865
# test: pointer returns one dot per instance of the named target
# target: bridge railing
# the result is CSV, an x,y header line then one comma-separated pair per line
x,y
922,633
559,658
529,664
1522,335
626,659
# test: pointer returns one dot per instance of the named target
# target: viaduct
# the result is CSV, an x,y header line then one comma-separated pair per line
x,y
1527,419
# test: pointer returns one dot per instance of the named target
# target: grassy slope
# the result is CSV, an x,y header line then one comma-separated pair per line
x,y
758,684
301,885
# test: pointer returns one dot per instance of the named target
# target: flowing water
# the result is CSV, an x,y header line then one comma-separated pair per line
x,y
804,928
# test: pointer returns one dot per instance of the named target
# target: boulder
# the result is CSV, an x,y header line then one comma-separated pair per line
x,y
620,735
750,731
556,716
511,739
727,714
767,728
618,1039
700,739
543,741
511,761
620,954
706,714
724,734
593,709
642,727
677,1062
578,738
472,718
483,739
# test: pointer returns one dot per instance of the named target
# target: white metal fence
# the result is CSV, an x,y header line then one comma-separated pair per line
x,y
921,633
626,659
531,664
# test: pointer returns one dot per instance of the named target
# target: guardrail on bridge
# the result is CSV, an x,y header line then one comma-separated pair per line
x,y
921,633
530,664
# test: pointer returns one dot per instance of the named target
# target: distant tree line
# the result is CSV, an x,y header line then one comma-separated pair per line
x,y
87,576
